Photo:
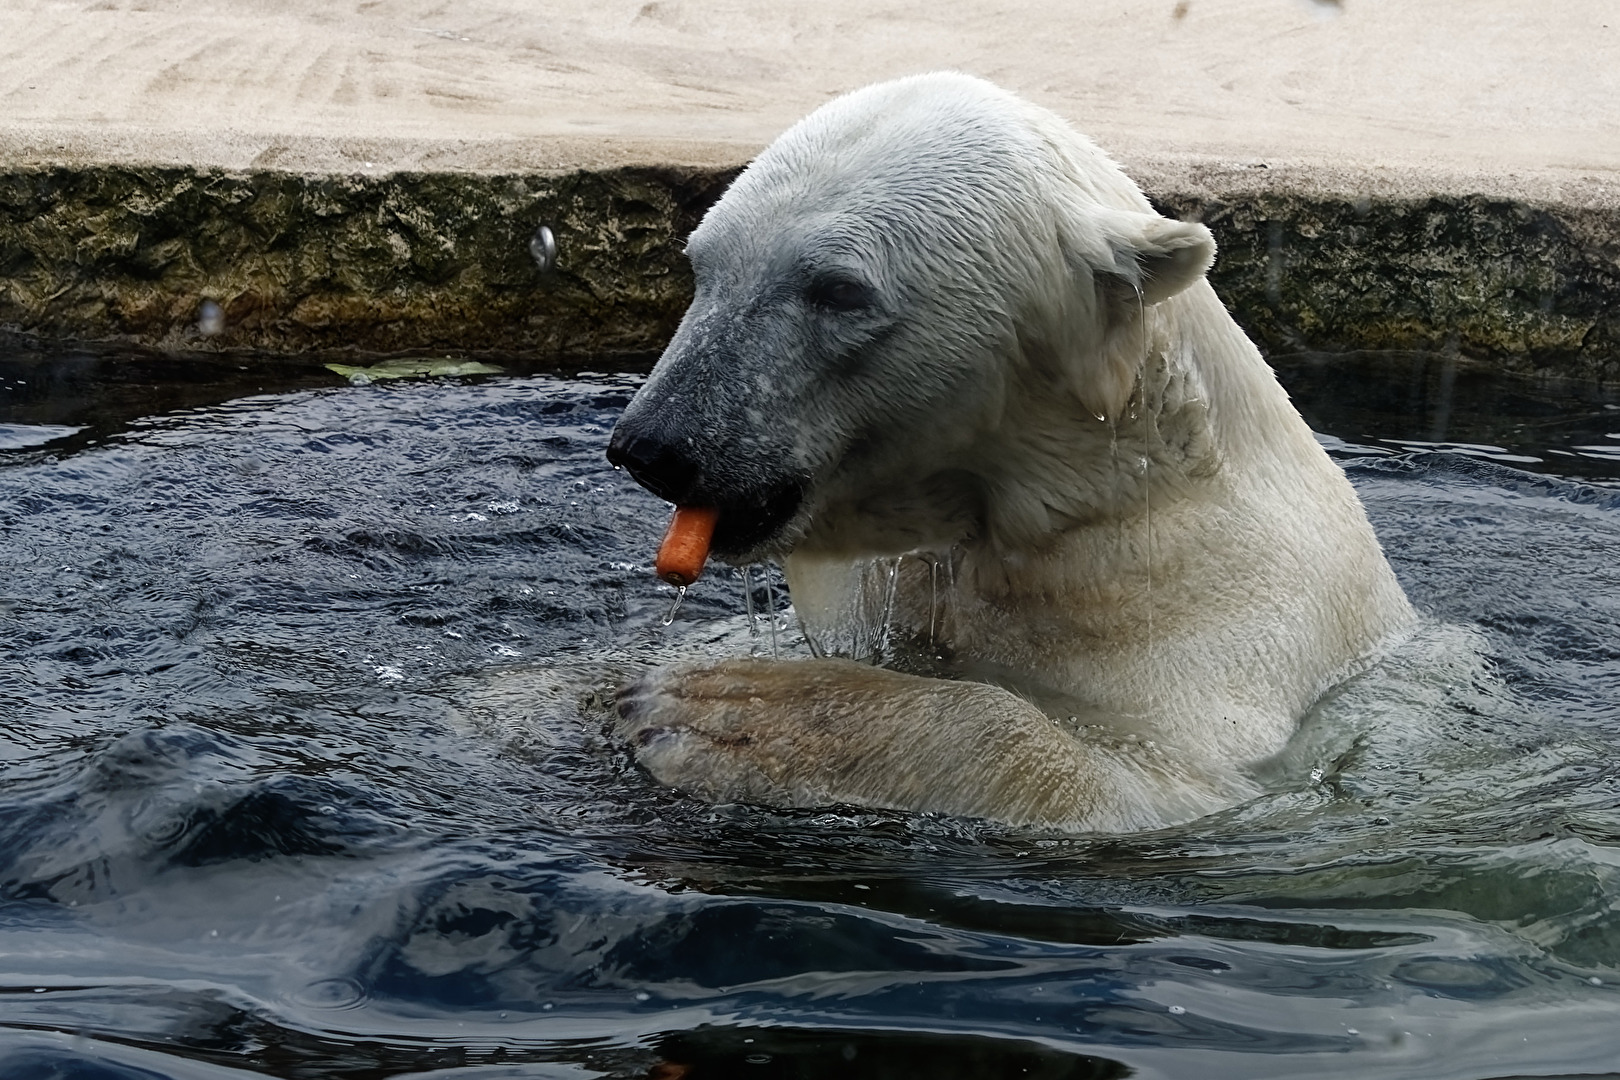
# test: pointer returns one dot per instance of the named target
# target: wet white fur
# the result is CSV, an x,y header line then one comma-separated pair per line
x,y
1143,534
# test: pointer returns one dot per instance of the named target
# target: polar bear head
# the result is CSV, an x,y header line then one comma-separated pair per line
x,y
879,295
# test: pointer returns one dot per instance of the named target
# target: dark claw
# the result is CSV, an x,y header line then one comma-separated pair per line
x,y
648,736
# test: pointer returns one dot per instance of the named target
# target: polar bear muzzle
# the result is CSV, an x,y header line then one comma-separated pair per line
x,y
751,514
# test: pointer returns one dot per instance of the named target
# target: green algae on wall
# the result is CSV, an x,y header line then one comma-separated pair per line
x,y
396,262
1529,289
405,262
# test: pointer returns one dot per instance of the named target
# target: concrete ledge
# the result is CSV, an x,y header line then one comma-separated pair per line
x,y
411,261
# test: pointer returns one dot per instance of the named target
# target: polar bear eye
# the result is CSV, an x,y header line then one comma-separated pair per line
x,y
840,294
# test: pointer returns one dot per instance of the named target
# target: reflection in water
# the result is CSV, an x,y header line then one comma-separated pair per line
x,y
1423,401
305,776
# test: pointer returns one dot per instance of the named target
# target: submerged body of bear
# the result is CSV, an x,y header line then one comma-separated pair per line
x,y
933,319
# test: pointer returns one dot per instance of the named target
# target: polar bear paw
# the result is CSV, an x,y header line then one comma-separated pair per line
x,y
741,731
813,733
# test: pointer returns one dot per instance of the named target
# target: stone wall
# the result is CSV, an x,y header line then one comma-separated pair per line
x,y
406,261
440,261
1526,288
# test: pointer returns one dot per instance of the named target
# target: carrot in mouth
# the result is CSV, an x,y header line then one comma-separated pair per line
x,y
686,544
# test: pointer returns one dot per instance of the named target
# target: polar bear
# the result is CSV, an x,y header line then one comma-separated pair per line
x,y
931,319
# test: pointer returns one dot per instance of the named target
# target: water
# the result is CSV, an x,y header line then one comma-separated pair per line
x,y
302,773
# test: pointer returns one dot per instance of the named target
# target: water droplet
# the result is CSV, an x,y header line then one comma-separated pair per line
x,y
210,319
543,249
642,995
1176,1010
748,600
933,599
680,594
1595,981
758,1059
770,613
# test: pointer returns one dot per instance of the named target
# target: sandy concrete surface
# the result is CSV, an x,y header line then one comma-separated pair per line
x,y
1499,96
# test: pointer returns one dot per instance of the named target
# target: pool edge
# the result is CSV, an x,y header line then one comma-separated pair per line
x,y
1525,280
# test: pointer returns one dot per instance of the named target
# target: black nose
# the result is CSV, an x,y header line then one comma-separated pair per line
x,y
662,468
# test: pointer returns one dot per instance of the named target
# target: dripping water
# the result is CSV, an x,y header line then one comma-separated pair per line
x,y
1139,405
748,600
891,581
1121,521
749,584
680,594
770,612
933,599
1147,504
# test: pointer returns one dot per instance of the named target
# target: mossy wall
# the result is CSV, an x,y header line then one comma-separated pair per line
x,y
406,261
440,261
1529,289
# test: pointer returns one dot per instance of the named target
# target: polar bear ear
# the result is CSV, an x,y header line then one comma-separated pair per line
x,y
1135,260
1154,257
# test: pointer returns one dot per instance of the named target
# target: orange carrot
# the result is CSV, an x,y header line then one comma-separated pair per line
x,y
686,544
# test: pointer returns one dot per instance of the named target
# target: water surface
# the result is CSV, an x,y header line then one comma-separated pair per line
x,y
303,774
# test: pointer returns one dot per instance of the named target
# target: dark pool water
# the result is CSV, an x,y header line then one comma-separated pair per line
x,y
302,772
